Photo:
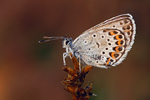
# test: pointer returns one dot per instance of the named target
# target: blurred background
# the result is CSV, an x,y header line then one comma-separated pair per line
x,y
33,71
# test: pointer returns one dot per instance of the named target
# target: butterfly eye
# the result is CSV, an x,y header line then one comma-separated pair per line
x,y
67,41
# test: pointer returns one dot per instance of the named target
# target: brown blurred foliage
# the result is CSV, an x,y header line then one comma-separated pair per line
x,y
32,71
74,81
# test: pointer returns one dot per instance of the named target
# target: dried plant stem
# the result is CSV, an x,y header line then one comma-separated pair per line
x,y
74,82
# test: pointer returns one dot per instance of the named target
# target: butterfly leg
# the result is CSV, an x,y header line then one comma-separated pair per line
x,y
70,56
80,65
79,60
64,57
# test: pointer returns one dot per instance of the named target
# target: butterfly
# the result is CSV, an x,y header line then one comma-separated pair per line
x,y
106,44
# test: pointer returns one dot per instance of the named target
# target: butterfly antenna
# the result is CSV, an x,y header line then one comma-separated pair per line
x,y
50,39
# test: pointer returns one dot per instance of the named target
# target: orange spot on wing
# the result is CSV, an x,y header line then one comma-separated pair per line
x,y
117,37
117,49
112,55
120,42
112,33
108,61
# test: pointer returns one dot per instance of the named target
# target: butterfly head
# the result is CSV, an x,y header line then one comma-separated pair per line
x,y
66,42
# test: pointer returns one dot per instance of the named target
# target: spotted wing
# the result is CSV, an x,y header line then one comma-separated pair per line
x,y
106,43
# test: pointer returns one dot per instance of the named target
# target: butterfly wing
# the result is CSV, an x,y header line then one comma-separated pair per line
x,y
106,43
